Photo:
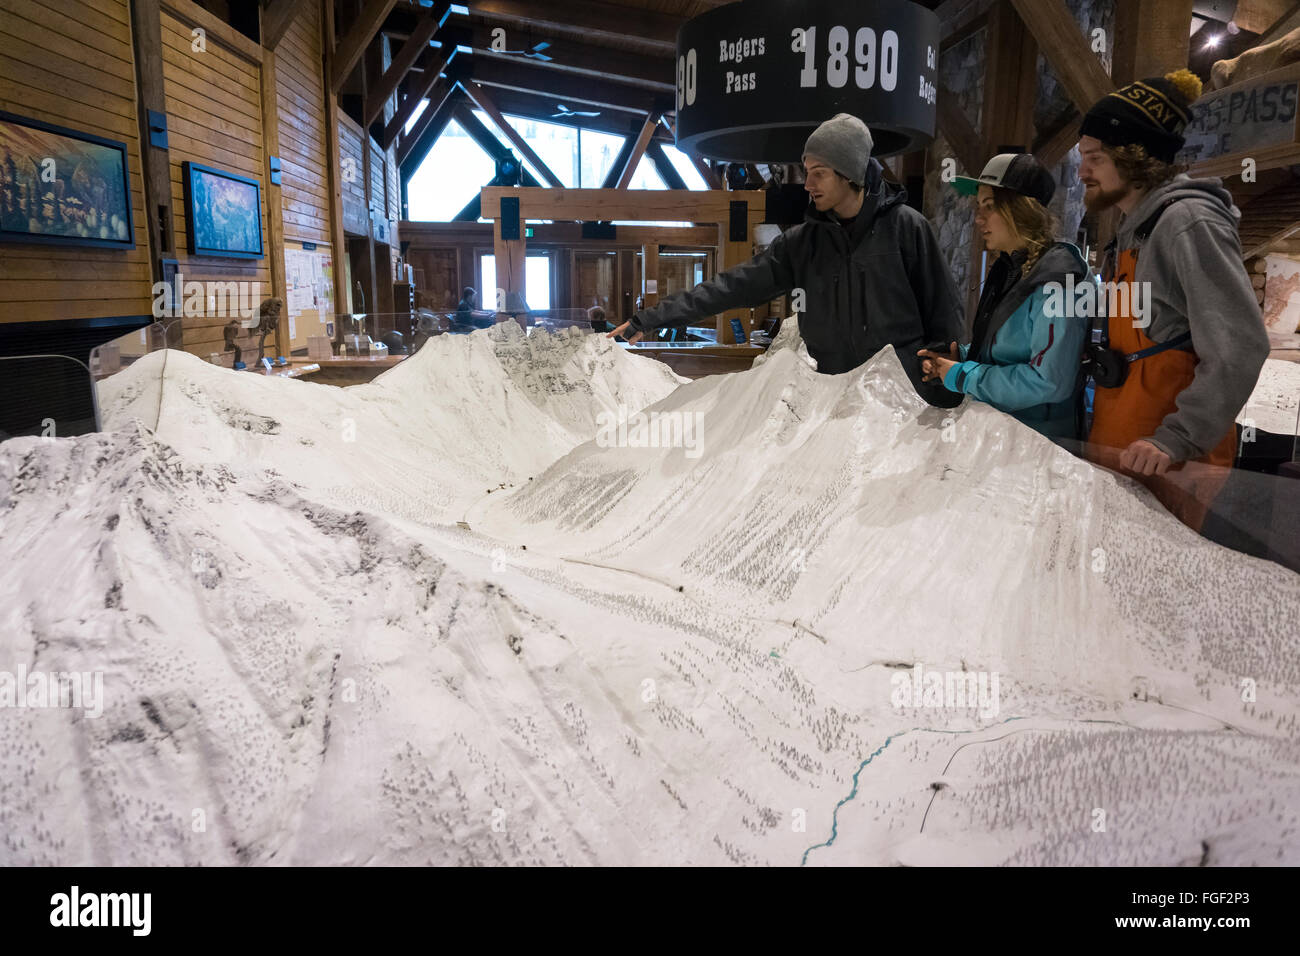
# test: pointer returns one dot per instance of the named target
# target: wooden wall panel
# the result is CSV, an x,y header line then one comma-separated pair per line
x,y
393,185
438,278
305,193
377,178
214,115
393,190
352,177
70,62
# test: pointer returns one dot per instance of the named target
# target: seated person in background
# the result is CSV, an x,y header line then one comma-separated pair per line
x,y
468,300
1023,358
596,315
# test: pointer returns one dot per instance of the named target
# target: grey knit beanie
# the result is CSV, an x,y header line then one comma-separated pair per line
x,y
844,144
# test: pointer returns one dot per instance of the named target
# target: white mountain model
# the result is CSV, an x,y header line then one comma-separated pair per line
x,y
632,653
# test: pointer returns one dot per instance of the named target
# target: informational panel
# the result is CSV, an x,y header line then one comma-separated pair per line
x,y
1250,125
309,286
754,79
1249,116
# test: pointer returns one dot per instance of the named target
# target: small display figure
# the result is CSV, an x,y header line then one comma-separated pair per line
x,y
231,332
268,321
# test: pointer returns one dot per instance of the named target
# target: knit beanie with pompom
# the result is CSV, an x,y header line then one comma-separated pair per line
x,y
1152,113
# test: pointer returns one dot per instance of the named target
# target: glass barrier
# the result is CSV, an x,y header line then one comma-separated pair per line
x,y
137,395
48,395
375,335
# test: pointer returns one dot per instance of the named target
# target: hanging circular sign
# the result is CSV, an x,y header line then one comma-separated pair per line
x,y
754,79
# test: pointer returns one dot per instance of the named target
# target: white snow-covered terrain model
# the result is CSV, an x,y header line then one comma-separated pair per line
x,y
535,599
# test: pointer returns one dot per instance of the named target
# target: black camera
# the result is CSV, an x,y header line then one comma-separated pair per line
x,y
1107,367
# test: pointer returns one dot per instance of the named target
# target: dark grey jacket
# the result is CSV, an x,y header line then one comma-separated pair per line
x,y
881,283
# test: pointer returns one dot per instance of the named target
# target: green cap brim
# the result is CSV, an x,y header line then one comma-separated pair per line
x,y
966,186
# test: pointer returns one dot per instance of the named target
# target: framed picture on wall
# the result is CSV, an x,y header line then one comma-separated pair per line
x,y
223,213
61,186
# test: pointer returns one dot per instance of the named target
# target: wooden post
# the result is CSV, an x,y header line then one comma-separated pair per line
x,y
369,64
733,253
146,30
1010,78
1151,39
650,273
510,254
334,165
274,200
625,307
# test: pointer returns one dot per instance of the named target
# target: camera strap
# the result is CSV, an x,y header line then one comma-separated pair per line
x,y
1160,347
1100,332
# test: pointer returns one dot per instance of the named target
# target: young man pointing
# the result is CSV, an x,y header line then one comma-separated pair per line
x,y
869,266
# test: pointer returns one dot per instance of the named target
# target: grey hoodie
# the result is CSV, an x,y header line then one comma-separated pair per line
x,y
1192,260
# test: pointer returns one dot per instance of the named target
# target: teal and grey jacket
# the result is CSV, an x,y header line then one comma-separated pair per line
x,y
1023,359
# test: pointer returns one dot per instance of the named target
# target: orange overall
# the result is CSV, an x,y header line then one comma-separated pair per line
x,y
1136,408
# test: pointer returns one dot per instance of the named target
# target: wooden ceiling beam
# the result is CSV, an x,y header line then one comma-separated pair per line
x,y
958,19
1067,49
485,102
591,20
637,205
960,134
710,175
567,55
276,18
1052,149
435,115
404,59
598,63
1284,25
441,60
1259,16
617,122
566,88
348,52
642,142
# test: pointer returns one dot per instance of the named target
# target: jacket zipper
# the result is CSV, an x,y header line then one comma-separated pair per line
x,y
837,296
864,302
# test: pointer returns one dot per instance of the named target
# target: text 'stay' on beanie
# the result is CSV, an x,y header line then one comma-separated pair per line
x,y
844,144
1152,113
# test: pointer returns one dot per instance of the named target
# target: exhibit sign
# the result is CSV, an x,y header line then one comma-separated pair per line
x,y
1251,120
754,79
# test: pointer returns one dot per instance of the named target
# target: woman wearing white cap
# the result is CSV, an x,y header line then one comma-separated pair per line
x,y
1023,358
